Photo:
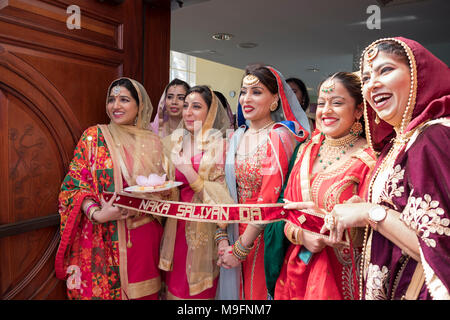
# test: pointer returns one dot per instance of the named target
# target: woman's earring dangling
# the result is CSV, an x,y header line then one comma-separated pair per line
x,y
273,106
356,128
377,119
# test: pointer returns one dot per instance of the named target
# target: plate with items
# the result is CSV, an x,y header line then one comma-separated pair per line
x,y
153,183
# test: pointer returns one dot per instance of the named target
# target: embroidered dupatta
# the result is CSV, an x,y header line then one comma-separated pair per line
x,y
291,126
415,182
95,256
330,273
160,124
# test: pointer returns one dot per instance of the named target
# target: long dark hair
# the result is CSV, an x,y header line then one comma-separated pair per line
x,y
178,82
264,75
303,89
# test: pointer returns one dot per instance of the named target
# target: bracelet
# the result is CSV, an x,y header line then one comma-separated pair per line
x,y
239,251
221,234
197,185
91,215
91,210
293,233
93,204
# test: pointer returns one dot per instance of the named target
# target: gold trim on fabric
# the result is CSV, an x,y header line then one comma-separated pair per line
x,y
425,217
171,296
365,157
404,259
377,281
305,169
144,288
322,176
328,202
165,265
207,281
138,221
435,286
275,154
395,175
197,185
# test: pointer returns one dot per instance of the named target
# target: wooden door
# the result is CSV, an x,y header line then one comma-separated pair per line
x,y
53,83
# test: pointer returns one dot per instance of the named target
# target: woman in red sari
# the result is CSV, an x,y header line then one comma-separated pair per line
x,y
257,162
107,252
330,169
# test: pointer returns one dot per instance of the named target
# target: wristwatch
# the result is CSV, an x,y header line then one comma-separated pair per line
x,y
376,214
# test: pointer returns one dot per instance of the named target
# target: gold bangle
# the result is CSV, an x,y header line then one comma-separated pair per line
x,y
298,236
197,185
91,213
292,229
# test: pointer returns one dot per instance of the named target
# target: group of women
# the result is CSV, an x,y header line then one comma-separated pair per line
x,y
366,190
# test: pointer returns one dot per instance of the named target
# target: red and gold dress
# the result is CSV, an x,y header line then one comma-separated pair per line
x,y
95,258
259,178
331,273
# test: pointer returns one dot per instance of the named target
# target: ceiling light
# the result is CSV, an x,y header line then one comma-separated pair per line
x,y
312,69
247,45
222,36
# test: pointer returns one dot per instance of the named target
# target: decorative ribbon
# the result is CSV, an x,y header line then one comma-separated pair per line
x,y
219,213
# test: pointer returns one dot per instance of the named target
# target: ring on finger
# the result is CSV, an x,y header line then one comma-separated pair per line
x,y
330,221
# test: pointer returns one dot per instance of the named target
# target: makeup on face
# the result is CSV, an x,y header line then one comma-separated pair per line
x,y
385,85
175,96
336,110
195,111
256,101
121,106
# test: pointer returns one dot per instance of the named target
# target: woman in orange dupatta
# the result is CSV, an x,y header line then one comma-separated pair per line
x,y
107,252
331,168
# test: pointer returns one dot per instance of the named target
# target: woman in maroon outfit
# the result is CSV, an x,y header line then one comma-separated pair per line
x,y
407,113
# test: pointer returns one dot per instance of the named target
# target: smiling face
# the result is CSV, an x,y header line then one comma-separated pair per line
x,y
256,101
122,108
175,99
336,110
195,111
385,85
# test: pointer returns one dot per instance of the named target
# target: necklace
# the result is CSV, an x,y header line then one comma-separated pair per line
x,y
253,131
332,150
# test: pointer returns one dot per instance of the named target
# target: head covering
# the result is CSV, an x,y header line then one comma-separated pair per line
x,y
161,116
289,114
201,267
139,150
429,94
227,107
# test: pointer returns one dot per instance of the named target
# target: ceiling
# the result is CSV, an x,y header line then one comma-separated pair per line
x,y
304,38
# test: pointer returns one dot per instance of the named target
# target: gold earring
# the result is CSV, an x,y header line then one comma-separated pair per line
x,y
377,118
356,128
273,106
